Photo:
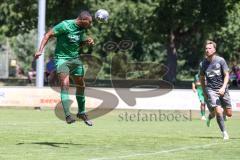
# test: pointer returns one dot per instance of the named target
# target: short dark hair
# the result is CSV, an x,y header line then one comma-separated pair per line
x,y
84,15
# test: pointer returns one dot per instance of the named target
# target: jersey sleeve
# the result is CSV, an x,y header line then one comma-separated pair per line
x,y
224,65
59,29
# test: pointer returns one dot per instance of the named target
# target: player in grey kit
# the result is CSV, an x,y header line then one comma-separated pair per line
x,y
216,71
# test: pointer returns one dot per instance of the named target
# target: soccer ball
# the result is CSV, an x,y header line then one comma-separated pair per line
x,y
102,15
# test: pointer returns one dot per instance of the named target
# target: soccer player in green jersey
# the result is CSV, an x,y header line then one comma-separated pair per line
x,y
71,35
196,87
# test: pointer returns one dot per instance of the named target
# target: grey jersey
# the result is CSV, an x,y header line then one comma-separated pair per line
x,y
214,72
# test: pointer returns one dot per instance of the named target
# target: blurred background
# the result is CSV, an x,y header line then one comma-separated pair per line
x,y
165,32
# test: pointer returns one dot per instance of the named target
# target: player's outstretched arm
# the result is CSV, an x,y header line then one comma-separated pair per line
x,y
44,41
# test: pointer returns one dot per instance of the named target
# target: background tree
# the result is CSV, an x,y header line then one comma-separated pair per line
x,y
183,26
17,17
169,31
228,36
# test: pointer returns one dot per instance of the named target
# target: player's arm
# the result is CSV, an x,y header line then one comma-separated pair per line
x,y
89,41
193,87
86,40
226,77
225,83
202,80
44,41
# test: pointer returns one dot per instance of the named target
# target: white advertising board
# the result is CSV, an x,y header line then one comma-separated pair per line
x,y
176,99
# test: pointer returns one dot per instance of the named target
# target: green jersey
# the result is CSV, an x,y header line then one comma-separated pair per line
x,y
199,88
69,36
197,81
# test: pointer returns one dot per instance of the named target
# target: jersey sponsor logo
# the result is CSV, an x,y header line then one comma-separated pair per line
x,y
198,83
49,101
217,65
214,73
73,38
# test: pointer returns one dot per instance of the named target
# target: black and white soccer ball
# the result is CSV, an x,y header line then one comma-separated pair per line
x,y
102,15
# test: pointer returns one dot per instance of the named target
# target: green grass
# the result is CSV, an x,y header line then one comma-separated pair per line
x,y
37,135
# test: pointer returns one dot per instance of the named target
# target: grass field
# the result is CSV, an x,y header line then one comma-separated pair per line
x,y
36,135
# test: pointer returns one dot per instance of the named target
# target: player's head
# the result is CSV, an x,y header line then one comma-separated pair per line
x,y
84,19
210,48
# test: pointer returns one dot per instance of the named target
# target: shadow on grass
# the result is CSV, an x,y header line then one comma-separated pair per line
x,y
52,144
211,137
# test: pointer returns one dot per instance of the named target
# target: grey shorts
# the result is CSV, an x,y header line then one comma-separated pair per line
x,y
214,99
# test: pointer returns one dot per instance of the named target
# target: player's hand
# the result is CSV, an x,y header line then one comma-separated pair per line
x,y
194,90
37,54
90,41
221,91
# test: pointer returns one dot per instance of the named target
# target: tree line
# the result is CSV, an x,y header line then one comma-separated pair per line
x,y
169,32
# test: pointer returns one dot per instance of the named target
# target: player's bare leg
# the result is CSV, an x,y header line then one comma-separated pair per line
x,y
227,112
202,108
220,121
